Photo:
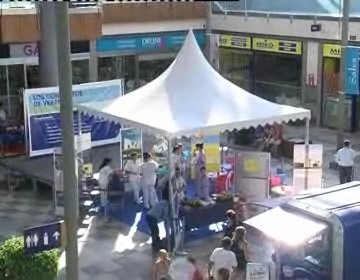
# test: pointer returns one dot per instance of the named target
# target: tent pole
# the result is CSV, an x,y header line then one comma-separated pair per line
x,y
307,140
170,230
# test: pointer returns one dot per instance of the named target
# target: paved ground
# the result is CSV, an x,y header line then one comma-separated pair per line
x,y
116,251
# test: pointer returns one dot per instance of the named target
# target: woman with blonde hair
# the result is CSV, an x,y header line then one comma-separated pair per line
x,y
223,274
162,265
240,248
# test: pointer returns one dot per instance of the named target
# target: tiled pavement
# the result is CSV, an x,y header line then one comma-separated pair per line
x,y
115,251
21,209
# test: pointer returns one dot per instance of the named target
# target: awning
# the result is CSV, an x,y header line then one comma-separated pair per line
x,y
286,227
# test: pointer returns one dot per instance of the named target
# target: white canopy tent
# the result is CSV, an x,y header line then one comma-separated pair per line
x,y
190,97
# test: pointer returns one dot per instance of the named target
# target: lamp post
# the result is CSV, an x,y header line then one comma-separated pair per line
x,y
67,133
342,88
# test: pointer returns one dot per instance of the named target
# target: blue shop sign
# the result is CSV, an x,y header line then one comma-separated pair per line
x,y
146,42
352,71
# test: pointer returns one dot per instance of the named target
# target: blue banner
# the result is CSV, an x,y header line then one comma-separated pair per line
x,y
43,116
146,42
352,71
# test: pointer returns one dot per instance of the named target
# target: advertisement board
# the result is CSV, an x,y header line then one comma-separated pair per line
x,y
307,174
131,142
42,109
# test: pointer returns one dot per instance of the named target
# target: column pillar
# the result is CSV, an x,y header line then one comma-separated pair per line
x,y
93,62
47,45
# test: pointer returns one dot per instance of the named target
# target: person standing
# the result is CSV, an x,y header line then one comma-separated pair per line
x,y
240,248
158,213
148,180
162,266
231,223
200,162
203,190
222,257
132,169
345,160
104,177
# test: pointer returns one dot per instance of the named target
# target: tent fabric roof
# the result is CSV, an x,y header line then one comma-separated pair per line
x,y
189,98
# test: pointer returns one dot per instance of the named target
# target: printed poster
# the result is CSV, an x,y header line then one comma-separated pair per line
x,y
42,108
257,271
131,142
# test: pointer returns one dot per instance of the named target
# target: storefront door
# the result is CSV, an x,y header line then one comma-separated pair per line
x,y
277,77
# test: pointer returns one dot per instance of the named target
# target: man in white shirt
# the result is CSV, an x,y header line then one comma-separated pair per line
x,y
222,257
345,159
132,169
147,180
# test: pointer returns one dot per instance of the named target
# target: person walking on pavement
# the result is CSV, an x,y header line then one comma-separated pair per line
x,y
148,180
104,177
345,160
158,213
132,169
222,257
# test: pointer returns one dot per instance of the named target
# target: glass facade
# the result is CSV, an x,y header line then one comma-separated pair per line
x,y
288,7
330,91
235,66
151,69
80,71
118,67
277,78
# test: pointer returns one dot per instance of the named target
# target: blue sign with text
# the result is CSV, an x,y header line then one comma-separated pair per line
x,y
352,71
146,42
43,238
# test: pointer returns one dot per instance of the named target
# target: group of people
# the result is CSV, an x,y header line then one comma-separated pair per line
x,y
269,138
230,260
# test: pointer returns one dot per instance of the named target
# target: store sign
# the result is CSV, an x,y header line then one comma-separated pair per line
x,y
42,107
332,50
24,50
278,46
238,42
352,71
147,42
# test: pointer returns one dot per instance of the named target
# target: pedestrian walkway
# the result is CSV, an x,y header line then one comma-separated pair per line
x,y
112,250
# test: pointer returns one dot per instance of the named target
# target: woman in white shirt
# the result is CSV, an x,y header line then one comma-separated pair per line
x,y
104,175
132,169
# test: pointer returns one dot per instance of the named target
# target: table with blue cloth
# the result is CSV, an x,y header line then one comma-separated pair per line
x,y
197,217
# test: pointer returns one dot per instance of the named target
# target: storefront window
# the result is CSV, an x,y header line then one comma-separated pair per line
x,y
16,86
80,71
278,78
235,66
33,76
118,67
331,87
151,69
3,89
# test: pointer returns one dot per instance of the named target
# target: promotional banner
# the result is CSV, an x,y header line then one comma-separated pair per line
x,y
312,169
42,108
352,71
131,142
312,64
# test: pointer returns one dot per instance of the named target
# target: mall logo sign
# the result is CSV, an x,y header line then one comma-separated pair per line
x,y
151,42
24,50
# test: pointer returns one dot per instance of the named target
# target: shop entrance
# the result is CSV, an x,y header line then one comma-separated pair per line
x,y
277,78
235,66
330,95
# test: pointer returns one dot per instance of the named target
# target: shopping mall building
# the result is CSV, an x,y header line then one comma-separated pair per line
x,y
268,49
288,52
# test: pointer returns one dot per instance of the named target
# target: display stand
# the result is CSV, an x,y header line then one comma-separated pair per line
x,y
252,175
83,168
